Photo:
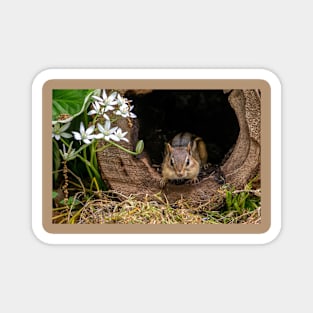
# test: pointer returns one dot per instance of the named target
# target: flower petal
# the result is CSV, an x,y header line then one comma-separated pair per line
x,y
90,130
66,135
98,136
114,137
100,128
64,127
77,135
107,124
113,130
106,116
109,108
91,112
97,98
81,128
87,141
104,94
112,97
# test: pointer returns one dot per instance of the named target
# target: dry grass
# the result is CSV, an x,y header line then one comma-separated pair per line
x,y
80,205
115,208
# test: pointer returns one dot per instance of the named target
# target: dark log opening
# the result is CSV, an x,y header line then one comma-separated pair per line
x,y
207,113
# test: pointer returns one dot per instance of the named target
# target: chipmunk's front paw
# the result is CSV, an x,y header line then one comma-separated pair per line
x,y
193,181
206,166
163,182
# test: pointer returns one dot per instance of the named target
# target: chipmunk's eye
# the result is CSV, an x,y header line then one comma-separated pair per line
x,y
187,161
172,162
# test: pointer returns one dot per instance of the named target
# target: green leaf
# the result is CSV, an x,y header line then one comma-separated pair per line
x,y
228,199
69,103
242,199
237,207
56,159
70,201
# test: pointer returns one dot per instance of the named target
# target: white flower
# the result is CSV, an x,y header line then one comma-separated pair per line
x,y
107,102
85,135
124,111
58,131
121,101
121,136
106,131
98,110
131,114
69,154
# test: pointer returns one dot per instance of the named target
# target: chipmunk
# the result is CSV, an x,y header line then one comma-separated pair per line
x,y
183,158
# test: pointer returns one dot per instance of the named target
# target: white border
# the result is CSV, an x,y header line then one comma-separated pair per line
x,y
49,74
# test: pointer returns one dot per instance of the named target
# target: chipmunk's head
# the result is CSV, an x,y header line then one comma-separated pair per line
x,y
179,159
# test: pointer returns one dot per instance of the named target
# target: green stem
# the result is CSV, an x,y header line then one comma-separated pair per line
x,y
103,147
73,218
89,164
63,141
122,148
93,159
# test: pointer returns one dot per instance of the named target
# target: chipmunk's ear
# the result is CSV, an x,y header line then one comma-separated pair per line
x,y
192,146
189,148
168,148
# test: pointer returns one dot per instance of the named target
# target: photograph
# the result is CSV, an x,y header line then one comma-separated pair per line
x,y
164,154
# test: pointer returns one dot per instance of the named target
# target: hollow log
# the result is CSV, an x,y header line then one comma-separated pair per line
x,y
137,175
